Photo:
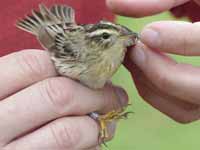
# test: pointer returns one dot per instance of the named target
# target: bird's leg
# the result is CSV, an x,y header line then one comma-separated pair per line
x,y
114,115
103,120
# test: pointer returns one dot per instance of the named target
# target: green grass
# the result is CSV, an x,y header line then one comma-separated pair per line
x,y
148,129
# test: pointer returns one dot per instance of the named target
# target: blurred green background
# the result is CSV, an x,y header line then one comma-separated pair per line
x,y
147,128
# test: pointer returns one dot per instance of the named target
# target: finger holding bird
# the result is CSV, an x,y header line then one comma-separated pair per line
x,y
89,54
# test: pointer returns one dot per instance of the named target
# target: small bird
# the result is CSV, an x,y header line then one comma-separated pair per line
x,y
89,53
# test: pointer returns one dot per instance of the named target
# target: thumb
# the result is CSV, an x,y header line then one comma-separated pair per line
x,y
170,77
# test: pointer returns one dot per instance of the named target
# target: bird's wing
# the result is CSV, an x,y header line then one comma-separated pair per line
x,y
64,13
58,14
65,47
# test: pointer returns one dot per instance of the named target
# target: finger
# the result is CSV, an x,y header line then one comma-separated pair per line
x,y
141,8
21,69
51,99
197,1
173,37
177,109
173,107
178,80
65,133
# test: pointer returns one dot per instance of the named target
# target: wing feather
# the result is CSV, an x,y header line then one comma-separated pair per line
x,y
58,14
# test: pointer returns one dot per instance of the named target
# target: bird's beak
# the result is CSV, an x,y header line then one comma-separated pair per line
x,y
130,37
133,36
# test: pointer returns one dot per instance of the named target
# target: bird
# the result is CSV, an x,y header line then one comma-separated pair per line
x,y
87,53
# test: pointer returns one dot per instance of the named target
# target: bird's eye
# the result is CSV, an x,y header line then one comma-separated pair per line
x,y
105,35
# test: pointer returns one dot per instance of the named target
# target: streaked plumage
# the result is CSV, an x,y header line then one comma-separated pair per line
x,y
88,53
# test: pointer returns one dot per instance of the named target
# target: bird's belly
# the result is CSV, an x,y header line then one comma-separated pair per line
x,y
93,76
97,75
70,70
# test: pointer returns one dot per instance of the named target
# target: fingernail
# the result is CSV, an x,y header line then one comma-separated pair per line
x,y
123,97
98,148
111,126
150,37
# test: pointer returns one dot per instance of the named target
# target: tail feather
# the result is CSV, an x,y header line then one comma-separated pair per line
x,y
45,17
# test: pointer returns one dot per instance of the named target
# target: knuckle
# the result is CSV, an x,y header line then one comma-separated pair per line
x,y
144,93
33,62
186,118
109,98
66,134
58,94
113,97
183,120
190,43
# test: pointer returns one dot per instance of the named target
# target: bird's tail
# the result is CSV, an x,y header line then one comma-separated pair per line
x,y
45,17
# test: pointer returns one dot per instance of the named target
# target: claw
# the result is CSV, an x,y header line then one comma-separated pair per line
x,y
108,118
126,115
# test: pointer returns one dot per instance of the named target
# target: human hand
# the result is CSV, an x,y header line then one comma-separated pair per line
x,y
170,87
141,8
41,111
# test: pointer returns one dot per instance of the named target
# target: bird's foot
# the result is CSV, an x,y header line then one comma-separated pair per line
x,y
108,118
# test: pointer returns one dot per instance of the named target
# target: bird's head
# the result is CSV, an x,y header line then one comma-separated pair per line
x,y
106,36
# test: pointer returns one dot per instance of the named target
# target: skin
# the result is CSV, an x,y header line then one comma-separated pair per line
x,y
171,87
39,110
